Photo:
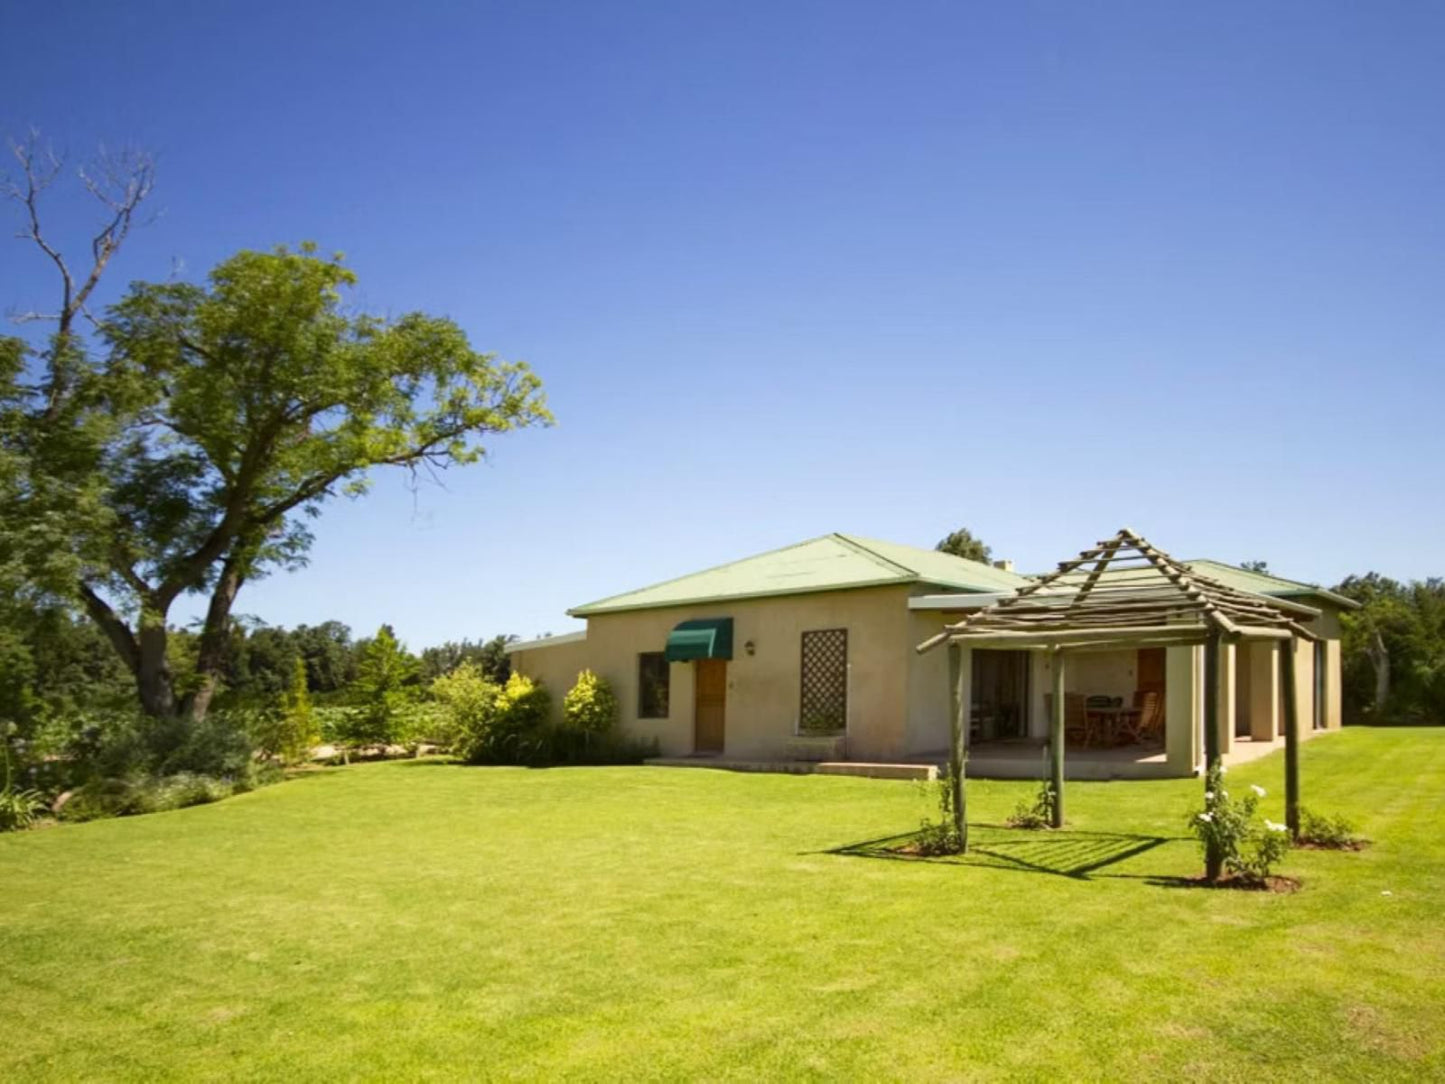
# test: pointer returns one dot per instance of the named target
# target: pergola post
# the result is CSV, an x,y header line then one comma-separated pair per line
x,y
960,691
1056,738
1213,856
1291,736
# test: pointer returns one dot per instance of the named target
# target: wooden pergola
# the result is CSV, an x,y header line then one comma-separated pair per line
x,y
1124,593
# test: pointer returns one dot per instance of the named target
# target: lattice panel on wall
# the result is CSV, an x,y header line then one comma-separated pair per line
x,y
825,682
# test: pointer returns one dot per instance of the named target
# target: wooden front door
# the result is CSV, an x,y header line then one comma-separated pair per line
x,y
710,694
1150,670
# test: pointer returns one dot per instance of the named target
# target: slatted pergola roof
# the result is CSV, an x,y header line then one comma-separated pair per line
x,y
1126,592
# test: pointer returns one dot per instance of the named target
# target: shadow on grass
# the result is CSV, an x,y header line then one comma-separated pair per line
x,y
1076,855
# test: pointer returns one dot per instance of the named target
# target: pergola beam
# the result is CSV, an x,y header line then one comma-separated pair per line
x,y
1057,636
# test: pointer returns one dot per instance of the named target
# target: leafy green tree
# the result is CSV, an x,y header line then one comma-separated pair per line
x,y
386,680
490,656
187,454
1255,566
962,543
1393,649
329,654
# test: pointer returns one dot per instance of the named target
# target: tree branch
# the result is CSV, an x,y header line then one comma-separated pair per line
x,y
114,628
37,180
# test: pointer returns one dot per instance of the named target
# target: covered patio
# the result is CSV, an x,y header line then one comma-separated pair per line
x,y
1123,595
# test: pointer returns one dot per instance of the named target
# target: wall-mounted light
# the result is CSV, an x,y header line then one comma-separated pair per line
x,y
750,647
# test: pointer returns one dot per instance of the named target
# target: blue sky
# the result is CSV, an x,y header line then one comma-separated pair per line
x,y
786,268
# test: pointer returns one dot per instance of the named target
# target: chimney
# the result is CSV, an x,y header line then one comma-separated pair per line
x,y
1006,566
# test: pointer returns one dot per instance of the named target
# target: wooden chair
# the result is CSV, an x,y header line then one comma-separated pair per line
x,y
1144,722
1076,724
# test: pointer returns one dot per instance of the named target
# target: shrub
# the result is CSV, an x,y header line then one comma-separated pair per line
x,y
1319,830
1248,851
1039,813
140,794
515,735
468,708
590,706
421,721
562,745
20,808
940,836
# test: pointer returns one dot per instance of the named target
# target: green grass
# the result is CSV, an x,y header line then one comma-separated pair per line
x,y
416,920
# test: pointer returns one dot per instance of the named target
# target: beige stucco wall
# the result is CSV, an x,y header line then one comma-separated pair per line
x,y
927,729
763,689
1102,673
555,665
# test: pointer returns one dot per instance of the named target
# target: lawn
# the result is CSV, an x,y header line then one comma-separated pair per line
x,y
417,920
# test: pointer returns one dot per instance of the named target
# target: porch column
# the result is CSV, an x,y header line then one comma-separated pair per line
x,y
1225,696
1291,735
1264,688
1056,739
960,692
1181,709
1330,683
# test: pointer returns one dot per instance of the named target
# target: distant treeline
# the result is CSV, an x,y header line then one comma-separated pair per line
x,y
1394,651
53,663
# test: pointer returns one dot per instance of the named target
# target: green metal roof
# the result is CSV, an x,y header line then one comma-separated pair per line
x,y
1265,583
830,563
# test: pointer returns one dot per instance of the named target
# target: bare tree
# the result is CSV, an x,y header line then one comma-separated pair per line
x,y
120,181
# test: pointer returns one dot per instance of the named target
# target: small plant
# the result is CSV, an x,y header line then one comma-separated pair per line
x,y
939,836
590,706
1228,834
1333,833
1039,813
18,808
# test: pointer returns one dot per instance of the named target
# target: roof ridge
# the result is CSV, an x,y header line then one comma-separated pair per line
x,y
875,556
689,575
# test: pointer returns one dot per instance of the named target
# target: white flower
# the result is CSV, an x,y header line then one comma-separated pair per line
x,y
1222,769
1223,793
1274,827
1387,892
1206,817
1258,790
1209,795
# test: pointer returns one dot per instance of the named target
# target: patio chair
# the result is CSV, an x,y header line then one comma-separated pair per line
x,y
1076,724
1144,722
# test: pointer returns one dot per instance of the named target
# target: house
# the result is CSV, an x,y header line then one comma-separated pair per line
x,y
807,653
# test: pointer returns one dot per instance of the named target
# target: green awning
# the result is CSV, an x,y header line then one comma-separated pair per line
x,y
703,638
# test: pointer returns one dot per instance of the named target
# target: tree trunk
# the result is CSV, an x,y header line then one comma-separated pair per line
x,y
215,639
1380,659
154,680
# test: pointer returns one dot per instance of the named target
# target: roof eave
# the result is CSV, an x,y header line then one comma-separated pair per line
x,y
593,609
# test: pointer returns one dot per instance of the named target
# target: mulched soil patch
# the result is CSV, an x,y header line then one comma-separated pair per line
x,y
1273,883
1352,845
